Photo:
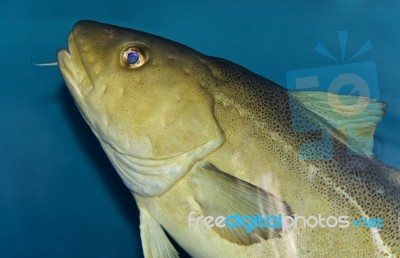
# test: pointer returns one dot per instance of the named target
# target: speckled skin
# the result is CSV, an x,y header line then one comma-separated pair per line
x,y
137,111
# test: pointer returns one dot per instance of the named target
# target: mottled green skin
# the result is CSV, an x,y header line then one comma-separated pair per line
x,y
129,108
374,186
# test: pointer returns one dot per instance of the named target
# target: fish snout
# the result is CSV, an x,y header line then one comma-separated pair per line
x,y
90,45
94,33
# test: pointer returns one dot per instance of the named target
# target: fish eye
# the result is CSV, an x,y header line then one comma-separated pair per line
x,y
132,57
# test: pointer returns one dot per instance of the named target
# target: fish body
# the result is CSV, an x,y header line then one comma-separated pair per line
x,y
192,133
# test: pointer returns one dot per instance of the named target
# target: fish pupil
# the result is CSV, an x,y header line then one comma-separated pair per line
x,y
133,57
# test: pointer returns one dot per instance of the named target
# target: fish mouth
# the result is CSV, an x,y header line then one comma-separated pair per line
x,y
73,70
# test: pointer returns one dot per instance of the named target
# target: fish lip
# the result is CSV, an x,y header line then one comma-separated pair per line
x,y
72,68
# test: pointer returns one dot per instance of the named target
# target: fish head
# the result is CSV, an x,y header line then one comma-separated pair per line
x,y
141,94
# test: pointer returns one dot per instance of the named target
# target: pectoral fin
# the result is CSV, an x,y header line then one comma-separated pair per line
x,y
220,194
154,241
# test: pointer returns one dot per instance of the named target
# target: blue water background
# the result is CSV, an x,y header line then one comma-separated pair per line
x,y
59,196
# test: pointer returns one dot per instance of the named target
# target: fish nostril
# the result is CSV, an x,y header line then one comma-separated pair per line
x,y
110,33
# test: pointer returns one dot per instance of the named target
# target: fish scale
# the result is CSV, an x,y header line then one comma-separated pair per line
x,y
193,133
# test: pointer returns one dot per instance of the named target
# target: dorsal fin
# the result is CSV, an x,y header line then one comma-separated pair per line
x,y
355,116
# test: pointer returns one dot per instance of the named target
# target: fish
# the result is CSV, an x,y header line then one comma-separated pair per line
x,y
207,148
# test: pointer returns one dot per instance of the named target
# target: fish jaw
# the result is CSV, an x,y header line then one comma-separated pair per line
x,y
71,68
75,75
